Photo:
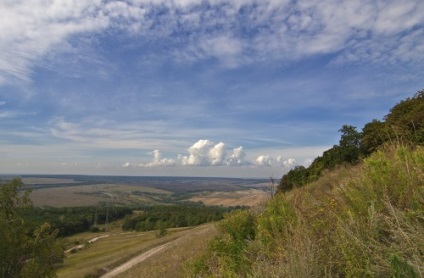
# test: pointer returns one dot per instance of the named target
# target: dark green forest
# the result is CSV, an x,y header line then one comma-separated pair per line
x,y
164,217
73,220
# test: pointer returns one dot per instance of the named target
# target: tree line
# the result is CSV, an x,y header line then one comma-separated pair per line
x,y
164,217
404,123
73,220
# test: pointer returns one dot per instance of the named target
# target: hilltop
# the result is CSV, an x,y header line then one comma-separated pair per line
x,y
356,211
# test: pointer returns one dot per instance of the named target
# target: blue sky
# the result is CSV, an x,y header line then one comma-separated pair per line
x,y
238,88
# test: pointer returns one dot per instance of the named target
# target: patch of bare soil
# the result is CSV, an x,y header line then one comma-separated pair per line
x,y
251,198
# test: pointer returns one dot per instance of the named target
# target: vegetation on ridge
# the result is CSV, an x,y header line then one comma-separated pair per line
x,y
362,220
24,251
404,123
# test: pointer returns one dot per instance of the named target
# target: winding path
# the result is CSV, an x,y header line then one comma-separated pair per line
x,y
129,264
89,242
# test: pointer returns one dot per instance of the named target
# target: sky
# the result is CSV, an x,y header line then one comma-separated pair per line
x,y
242,88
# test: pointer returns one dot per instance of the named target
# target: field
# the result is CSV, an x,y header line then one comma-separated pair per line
x,y
86,195
171,261
94,254
70,191
250,197
115,248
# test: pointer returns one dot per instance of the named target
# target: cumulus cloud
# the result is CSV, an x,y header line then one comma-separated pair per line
x,y
267,160
237,157
233,32
207,153
288,163
264,160
204,153
159,161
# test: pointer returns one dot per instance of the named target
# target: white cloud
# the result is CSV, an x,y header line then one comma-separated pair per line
x,y
204,153
307,162
264,160
288,163
12,114
272,30
159,161
226,48
30,30
126,165
237,157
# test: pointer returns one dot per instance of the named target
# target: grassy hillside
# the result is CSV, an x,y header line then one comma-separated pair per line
x,y
355,221
111,250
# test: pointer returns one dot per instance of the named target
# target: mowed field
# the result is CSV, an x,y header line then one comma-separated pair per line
x,y
115,248
250,197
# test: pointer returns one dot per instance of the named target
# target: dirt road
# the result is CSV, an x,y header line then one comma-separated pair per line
x,y
135,260
180,237
90,241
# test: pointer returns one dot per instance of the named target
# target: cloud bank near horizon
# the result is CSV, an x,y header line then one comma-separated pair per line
x,y
206,153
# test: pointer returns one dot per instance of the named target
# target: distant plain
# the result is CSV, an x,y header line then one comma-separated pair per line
x,y
70,191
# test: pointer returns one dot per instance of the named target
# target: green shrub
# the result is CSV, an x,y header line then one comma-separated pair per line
x,y
379,228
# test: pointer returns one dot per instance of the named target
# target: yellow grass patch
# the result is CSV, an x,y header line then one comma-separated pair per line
x,y
251,197
87,195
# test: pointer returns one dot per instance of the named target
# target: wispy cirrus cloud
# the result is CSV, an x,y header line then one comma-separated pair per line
x,y
233,32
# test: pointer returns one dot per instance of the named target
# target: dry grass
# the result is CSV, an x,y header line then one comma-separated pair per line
x,y
251,198
170,262
365,221
111,251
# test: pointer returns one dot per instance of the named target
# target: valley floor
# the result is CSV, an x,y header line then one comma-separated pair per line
x,y
135,254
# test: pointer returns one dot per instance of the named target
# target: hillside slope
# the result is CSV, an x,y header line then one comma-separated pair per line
x,y
357,221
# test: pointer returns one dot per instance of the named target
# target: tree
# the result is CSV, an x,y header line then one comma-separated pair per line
x,y
349,144
375,134
407,119
22,253
297,176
